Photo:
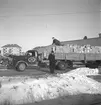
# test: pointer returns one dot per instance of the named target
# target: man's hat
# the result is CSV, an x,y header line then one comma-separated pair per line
x,y
52,51
53,38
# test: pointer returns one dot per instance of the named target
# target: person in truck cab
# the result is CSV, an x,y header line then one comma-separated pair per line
x,y
51,59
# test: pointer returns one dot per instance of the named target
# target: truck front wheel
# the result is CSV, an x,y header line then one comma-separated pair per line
x,y
21,66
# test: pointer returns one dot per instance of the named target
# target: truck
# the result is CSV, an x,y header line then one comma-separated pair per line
x,y
63,60
69,58
21,62
83,52
66,57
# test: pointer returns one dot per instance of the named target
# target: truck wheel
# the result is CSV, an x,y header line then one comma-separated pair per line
x,y
21,66
99,68
69,64
62,65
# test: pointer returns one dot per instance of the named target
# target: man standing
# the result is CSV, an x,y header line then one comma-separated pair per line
x,y
51,59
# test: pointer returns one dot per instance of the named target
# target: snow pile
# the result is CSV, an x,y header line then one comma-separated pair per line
x,y
48,87
5,78
85,71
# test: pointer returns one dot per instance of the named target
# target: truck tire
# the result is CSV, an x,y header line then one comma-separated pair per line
x,y
69,64
62,65
21,66
99,68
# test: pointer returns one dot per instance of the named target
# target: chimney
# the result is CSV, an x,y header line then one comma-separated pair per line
x,y
99,35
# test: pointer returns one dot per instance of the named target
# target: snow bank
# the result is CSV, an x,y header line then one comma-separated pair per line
x,y
85,71
79,71
30,90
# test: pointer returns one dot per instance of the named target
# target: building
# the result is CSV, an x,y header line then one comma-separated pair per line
x,y
11,49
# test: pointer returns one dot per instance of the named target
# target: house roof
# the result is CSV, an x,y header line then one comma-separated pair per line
x,y
11,45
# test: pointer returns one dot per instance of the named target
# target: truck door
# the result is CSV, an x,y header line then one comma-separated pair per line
x,y
32,58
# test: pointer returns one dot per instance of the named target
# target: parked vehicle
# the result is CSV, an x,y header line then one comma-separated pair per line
x,y
84,52
21,62
71,59
66,56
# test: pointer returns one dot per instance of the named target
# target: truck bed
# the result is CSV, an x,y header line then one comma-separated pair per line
x,y
78,56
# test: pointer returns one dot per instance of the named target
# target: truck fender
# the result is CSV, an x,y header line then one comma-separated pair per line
x,y
20,62
56,63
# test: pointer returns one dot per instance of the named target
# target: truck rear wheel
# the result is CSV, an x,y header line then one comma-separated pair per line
x,y
69,64
62,65
21,66
99,68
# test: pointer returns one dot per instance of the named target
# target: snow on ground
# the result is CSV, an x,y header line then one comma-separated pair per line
x,y
29,89
85,71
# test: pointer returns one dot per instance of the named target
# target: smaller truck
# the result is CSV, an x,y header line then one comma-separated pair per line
x,y
21,62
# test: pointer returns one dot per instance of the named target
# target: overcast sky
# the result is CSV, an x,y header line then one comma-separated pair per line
x,y
31,23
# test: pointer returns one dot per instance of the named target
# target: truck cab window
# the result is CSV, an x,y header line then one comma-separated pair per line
x,y
29,54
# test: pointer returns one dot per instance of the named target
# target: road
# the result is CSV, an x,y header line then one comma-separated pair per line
x,y
34,71
28,71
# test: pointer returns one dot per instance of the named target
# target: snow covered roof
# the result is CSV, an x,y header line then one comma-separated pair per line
x,y
11,45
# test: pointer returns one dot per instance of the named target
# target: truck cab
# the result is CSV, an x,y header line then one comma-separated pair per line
x,y
21,62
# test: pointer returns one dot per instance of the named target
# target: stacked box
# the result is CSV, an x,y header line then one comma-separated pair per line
x,y
81,49
61,49
45,54
99,49
76,49
93,49
72,49
66,49
88,49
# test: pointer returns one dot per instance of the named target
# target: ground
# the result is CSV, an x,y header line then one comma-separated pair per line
x,y
28,71
81,99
